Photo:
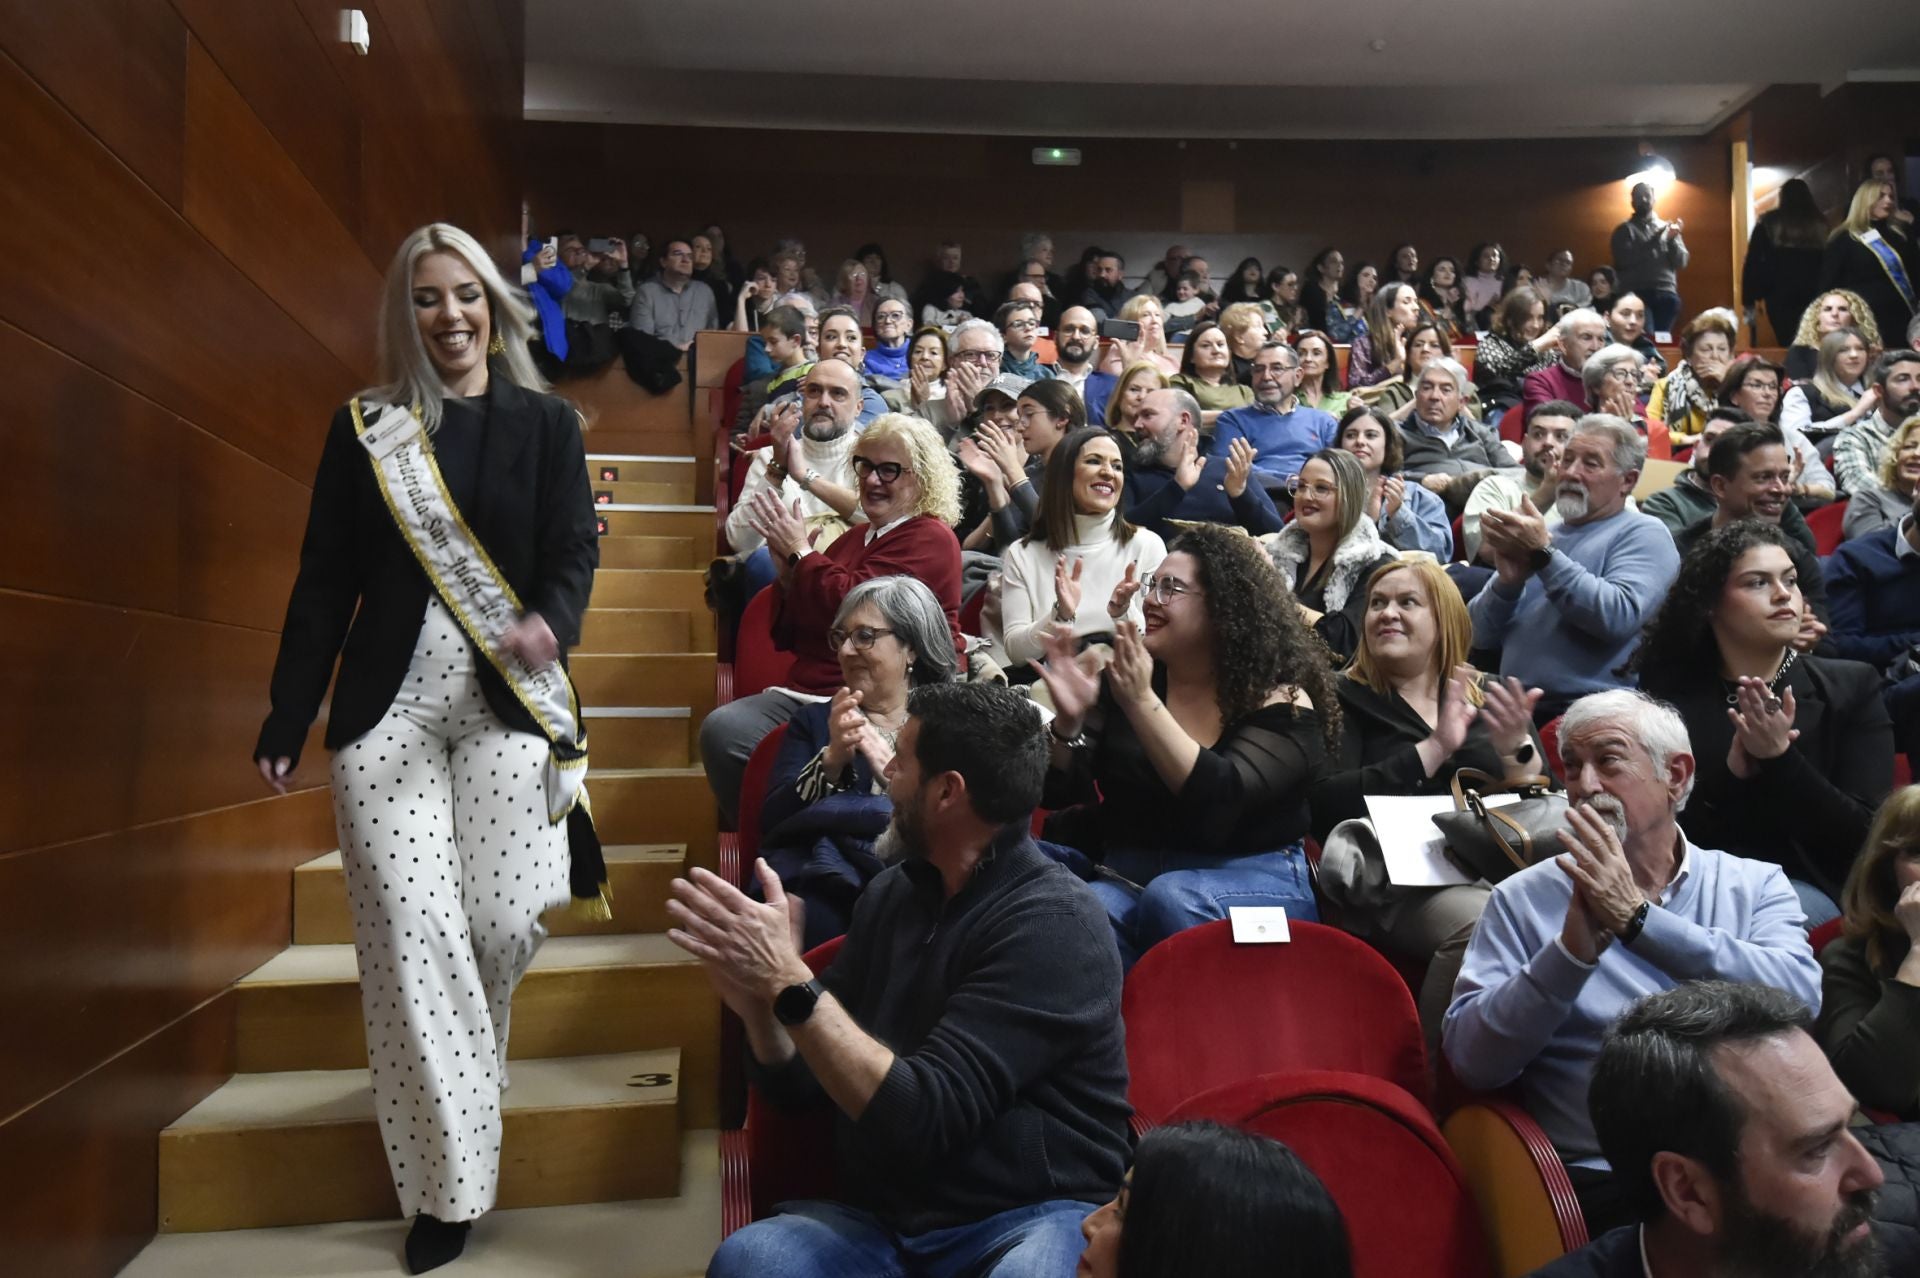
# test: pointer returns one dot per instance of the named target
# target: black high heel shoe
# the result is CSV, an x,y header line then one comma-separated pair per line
x,y
431,1242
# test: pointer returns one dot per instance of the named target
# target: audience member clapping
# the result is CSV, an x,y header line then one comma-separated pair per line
x,y
926,371
809,464
783,334
1870,1012
1407,515
1008,464
1549,427
1067,572
1282,431
1632,907
1566,604
1206,1199
1330,549
1172,479
1202,737
1683,398
973,362
1412,714
1611,378
1861,446
1793,752
1886,502
826,799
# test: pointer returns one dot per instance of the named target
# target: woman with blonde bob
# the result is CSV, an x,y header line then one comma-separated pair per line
x,y
429,704
1870,995
1889,499
1415,713
1141,379
1873,254
1151,346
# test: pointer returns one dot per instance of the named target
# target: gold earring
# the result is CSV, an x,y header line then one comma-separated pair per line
x,y
498,346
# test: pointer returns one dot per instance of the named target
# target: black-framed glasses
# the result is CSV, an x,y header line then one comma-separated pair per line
x,y
890,317
864,637
887,472
1165,588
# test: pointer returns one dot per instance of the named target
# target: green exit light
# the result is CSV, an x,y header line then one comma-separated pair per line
x,y
1056,155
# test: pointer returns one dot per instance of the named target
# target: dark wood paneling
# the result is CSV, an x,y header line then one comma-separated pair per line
x,y
245,195
118,65
275,60
116,717
128,504
162,311
79,1174
106,940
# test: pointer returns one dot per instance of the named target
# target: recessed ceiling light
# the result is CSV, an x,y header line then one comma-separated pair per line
x,y
1377,45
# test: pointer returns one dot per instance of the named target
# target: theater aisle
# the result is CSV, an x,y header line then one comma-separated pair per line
x,y
610,1163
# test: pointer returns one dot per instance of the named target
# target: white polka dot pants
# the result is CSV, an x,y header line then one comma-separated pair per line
x,y
450,862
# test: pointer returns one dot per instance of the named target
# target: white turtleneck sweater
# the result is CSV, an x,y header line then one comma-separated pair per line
x,y
833,458
1026,583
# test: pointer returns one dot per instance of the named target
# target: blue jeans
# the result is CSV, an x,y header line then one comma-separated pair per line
x,y
1815,904
760,571
1180,890
819,1239
1663,308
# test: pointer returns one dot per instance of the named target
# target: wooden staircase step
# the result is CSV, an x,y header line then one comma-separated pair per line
x,y
655,552
645,679
683,589
625,737
646,630
583,996
656,805
640,468
647,1238
662,520
637,875
677,492
305,1147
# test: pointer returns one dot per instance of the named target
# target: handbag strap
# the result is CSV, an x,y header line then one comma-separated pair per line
x,y
1486,783
1524,857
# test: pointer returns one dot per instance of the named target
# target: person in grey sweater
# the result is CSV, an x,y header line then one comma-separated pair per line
x,y
1446,450
1648,256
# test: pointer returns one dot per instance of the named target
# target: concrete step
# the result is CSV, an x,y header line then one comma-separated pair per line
x,y
583,996
301,1148
646,630
638,875
680,590
655,552
645,679
649,1238
640,468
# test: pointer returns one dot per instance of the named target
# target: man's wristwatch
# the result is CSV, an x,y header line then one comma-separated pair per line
x,y
1539,559
795,1004
1635,923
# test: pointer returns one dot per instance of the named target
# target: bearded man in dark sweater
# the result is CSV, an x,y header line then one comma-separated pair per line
x,y
968,1033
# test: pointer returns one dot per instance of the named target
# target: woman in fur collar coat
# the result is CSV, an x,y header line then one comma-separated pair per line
x,y
1330,549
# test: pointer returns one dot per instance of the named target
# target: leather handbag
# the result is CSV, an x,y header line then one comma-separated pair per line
x,y
1492,842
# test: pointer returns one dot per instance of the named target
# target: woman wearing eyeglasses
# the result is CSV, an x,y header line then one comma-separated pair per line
x,y
826,800
1330,549
909,493
1066,571
1194,751
1409,516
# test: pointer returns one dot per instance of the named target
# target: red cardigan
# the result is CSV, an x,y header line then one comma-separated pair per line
x,y
923,547
1555,381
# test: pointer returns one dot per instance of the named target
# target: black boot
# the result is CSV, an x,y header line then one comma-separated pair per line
x,y
432,1243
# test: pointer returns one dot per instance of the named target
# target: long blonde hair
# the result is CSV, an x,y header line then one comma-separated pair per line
x,y
1116,401
1452,627
1890,459
927,458
1135,307
1868,899
1826,377
409,374
1860,212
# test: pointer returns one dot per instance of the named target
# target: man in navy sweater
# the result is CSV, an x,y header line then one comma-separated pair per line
x,y
1873,596
1727,1132
1170,480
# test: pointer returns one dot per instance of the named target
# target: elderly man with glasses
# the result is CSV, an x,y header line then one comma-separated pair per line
x,y
892,335
973,361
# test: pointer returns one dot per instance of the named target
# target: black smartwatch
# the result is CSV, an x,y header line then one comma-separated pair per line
x,y
1540,558
1636,923
795,1003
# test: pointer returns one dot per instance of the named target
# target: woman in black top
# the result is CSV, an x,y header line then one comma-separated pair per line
x,y
1320,289
421,716
1782,270
1521,340
1888,282
1330,549
1792,753
1203,739
1412,714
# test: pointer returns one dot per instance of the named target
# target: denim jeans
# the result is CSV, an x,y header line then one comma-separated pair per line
x,y
1180,890
1663,308
819,1239
1814,903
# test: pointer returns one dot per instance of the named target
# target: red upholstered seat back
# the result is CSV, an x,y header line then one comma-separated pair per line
x,y
757,664
1550,742
791,1155
753,792
1825,525
1409,1211
1202,1012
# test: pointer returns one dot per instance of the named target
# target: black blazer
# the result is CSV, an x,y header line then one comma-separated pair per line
x,y
532,510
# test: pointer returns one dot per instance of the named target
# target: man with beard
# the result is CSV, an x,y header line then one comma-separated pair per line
x,y
1107,290
1858,451
1283,431
810,460
1727,1131
1751,474
1077,342
968,1034
1566,604
1630,908
1689,498
1169,480
1549,427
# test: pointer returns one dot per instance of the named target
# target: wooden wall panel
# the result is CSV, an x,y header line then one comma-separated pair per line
x,y
128,504
163,312
248,197
88,1159
117,717
120,66
136,927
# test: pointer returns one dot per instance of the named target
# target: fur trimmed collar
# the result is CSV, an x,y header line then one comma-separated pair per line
x,y
1356,553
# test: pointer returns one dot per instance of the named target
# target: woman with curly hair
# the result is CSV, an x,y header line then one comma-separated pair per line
x,y
1870,993
1195,750
1792,753
1834,309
